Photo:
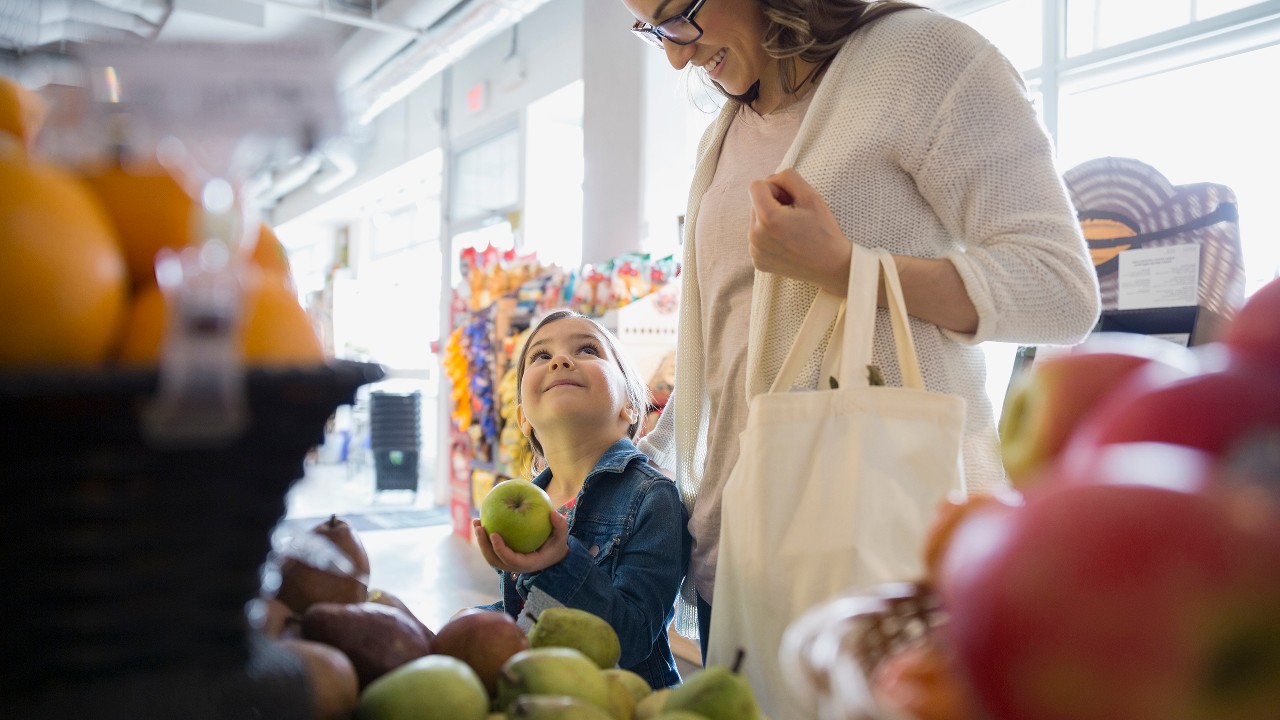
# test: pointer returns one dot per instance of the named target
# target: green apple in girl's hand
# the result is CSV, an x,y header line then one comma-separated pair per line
x,y
520,512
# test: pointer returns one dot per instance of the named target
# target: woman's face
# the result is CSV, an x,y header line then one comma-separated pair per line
x,y
730,49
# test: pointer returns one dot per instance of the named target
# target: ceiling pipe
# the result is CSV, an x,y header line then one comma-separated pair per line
x,y
460,31
322,9
336,167
29,26
367,50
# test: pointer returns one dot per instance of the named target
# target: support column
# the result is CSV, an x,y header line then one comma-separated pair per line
x,y
612,132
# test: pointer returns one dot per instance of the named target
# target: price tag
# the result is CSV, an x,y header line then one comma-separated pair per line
x,y
1159,277
218,93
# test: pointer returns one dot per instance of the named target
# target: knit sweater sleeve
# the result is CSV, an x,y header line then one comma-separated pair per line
x,y
985,165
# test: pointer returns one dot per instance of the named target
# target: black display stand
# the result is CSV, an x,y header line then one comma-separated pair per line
x,y
1199,324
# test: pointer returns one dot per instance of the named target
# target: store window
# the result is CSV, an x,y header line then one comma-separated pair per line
x,y
1097,24
486,180
1172,83
551,222
1014,27
1201,123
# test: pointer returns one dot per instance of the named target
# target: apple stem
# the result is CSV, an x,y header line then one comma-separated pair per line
x,y
737,660
333,520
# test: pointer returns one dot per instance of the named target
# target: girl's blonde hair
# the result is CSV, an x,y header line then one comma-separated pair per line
x,y
638,395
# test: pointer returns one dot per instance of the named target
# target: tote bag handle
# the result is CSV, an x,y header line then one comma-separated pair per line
x,y
855,319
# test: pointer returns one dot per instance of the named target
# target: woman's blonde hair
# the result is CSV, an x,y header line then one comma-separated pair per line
x,y
639,396
814,31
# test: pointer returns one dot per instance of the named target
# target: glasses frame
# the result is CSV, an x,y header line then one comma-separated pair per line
x,y
654,34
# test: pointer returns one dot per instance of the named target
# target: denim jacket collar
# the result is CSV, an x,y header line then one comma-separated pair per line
x,y
615,460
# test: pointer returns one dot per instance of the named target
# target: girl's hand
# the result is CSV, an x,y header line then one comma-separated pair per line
x,y
499,556
794,234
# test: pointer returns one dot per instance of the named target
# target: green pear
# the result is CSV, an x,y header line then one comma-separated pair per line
x,y
578,629
718,693
622,706
681,715
551,671
433,687
651,705
555,707
636,685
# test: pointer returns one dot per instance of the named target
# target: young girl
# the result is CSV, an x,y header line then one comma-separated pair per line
x,y
618,545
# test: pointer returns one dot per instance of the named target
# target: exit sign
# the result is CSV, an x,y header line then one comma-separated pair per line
x,y
477,97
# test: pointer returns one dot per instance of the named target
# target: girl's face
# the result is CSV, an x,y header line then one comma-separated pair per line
x,y
571,378
729,50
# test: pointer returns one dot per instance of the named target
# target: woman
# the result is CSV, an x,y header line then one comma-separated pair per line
x,y
877,123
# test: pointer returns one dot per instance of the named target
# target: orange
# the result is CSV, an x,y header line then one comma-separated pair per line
x,y
63,287
276,331
922,679
150,210
269,254
953,512
22,111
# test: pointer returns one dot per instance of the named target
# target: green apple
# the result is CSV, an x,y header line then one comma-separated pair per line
x,y
520,512
434,687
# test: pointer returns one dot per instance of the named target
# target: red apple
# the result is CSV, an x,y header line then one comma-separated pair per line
x,y
1115,602
1211,410
1175,467
1045,405
484,640
1255,329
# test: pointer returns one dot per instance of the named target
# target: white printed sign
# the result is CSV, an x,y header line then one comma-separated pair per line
x,y
1159,277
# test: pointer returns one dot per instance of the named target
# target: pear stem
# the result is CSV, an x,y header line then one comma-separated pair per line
x,y
737,660
333,520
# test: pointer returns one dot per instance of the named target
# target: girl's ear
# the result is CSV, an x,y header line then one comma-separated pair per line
x,y
523,422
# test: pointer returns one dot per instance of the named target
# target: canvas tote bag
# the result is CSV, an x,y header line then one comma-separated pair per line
x,y
834,488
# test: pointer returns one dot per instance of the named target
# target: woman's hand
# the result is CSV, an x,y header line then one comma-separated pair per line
x,y
794,234
498,555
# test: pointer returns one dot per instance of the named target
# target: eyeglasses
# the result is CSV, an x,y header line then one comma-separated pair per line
x,y
679,29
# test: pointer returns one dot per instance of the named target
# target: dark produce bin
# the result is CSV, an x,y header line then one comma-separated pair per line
x,y
128,566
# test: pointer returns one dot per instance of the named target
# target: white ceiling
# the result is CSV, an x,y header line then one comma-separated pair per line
x,y
370,32
232,21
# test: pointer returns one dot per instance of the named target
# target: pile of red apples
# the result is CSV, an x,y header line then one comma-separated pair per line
x,y
1134,574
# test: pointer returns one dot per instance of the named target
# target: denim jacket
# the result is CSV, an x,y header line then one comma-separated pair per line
x,y
628,552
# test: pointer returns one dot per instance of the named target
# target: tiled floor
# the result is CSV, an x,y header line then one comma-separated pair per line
x,y
434,571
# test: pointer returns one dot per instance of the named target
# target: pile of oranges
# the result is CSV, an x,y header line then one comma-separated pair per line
x,y
77,252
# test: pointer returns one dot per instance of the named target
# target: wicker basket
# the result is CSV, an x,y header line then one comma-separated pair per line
x,y
127,566
830,652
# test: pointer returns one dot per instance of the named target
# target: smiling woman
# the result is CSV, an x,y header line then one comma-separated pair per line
x,y
876,123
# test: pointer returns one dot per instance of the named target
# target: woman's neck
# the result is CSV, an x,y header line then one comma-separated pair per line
x,y
774,96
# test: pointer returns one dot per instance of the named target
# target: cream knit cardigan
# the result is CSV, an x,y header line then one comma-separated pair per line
x,y
923,141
